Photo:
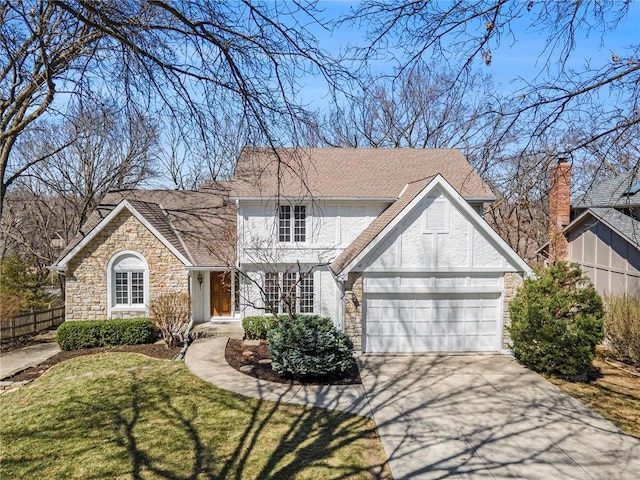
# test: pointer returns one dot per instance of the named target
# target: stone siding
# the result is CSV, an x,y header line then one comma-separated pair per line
x,y
86,282
353,309
512,281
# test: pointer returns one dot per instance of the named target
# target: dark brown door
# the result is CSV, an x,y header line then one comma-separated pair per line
x,y
220,294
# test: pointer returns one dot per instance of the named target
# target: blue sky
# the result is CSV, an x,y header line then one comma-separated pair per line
x,y
513,59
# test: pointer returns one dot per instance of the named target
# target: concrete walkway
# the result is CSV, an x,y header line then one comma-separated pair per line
x,y
25,357
487,417
205,358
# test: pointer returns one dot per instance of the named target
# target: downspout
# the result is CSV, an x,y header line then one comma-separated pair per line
x,y
340,283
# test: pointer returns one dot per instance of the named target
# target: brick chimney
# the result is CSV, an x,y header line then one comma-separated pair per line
x,y
559,210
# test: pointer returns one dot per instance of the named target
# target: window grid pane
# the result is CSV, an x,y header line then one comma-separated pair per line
x,y
284,225
288,289
306,293
272,295
137,287
300,223
122,288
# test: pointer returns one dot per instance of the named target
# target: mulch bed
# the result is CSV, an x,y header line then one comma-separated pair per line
x,y
154,350
239,354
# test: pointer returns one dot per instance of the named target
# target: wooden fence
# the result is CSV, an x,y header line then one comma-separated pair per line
x,y
26,323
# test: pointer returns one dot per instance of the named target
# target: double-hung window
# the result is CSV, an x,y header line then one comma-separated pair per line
x,y
296,229
305,295
289,288
128,281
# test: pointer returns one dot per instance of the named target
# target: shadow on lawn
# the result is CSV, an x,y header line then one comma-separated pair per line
x,y
312,438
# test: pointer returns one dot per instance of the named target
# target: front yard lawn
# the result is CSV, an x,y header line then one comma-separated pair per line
x,y
614,394
123,415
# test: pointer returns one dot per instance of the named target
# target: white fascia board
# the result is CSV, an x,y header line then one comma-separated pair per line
x,y
106,220
461,203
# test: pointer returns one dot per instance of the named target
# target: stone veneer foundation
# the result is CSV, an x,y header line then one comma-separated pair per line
x,y
512,281
353,309
86,276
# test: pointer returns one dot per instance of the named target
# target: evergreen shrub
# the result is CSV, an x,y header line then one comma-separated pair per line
x,y
104,333
309,347
255,328
556,321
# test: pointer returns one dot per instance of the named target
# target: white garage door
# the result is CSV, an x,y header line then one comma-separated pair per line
x,y
432,322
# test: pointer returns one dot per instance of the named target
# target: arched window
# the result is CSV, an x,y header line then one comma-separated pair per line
x,y
128,281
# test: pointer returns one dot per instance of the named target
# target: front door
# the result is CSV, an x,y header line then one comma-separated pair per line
x,y
220,294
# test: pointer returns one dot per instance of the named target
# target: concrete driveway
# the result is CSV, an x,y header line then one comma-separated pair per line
x,y
485,416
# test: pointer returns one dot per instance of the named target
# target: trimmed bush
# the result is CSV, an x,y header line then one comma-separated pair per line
x,y
171,313
256,328
309,347
622,327
104,333
556,321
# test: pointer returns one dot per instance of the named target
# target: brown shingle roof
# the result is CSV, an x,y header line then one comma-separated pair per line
x,y
350,172
200,225
379,224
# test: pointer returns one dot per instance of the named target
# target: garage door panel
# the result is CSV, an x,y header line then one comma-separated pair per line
x,y
432,322
472,328
456,343
456,327
423,328
439,343
423,344
374,328
389,328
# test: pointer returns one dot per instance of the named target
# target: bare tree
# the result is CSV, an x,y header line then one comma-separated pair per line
x,y
421,107
48,204
187,61
189,165
550,105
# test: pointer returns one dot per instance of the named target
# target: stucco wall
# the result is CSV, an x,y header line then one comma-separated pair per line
x,y
413,245
330,227
86,283
326,299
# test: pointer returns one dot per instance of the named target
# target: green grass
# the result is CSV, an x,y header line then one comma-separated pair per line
x,y
122,415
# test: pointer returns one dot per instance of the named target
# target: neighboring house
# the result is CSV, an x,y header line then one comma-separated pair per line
x,y
390,244
599,230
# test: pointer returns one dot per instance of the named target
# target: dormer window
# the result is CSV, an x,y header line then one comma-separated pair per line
x,y
296,229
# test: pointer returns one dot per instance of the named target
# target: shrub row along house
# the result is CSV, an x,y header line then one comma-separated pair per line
x,y
390,244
